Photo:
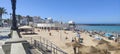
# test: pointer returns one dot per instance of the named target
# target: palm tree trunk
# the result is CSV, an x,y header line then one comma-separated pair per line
x,y
0,19
14,21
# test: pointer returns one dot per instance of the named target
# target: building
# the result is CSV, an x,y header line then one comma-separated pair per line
x,y
49,26
5,23
48,23
53,26
71,25
24,21
49,20
37,19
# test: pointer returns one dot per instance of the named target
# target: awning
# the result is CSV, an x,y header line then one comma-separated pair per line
x,y
25,27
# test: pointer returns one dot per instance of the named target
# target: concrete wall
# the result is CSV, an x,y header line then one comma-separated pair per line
x,y
6,48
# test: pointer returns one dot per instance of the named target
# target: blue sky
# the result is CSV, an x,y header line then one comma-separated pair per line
x,y
80,11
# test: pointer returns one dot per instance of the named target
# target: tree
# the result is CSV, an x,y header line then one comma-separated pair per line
x,y
14,21
29,18
19,18
2,11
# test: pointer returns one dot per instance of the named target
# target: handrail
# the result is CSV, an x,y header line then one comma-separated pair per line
x,y
46,44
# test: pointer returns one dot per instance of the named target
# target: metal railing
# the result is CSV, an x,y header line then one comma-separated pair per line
x,y
44,45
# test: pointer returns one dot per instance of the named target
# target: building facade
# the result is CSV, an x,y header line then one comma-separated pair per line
x,y
37,19
49,20
24,21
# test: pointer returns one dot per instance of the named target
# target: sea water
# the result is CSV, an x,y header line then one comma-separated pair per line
x,y
115,29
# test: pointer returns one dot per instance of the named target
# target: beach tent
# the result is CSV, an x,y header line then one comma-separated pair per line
x,y
77,34
25,27
90,31
97,38
107,34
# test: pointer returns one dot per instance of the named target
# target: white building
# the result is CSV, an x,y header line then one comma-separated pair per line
x,y
24,21
71,25
71,22
37,19
55,26
49,20
49,26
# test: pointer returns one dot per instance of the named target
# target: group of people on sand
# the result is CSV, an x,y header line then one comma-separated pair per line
x,y
77,36
48,31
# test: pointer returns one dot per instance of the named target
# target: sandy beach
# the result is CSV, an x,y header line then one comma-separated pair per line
x,y
58,37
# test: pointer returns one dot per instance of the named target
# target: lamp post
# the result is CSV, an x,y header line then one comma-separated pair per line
x,y
14,21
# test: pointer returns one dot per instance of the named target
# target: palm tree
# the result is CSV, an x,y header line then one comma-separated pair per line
x,y
19,18
14,21
29,19
2,11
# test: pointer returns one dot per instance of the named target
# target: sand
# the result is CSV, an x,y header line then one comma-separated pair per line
x,y
59,39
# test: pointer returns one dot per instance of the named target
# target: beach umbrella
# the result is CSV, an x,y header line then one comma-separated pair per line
x,y
97,37
107,34
78,35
